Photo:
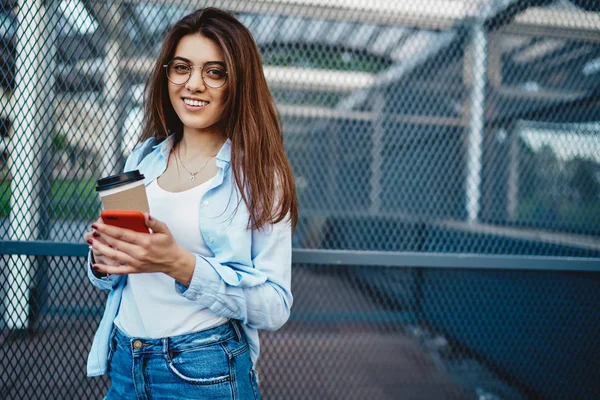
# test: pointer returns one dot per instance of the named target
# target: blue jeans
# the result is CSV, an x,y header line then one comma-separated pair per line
x,y
210,364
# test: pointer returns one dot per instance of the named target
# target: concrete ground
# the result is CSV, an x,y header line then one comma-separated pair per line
x,y
309,358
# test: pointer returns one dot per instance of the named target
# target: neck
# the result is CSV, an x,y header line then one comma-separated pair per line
x,y
201,145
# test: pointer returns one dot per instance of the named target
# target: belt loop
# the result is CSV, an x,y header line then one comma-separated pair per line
x,y
236,329
165,343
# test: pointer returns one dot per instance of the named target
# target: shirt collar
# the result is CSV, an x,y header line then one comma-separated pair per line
x,y
166,145
225,153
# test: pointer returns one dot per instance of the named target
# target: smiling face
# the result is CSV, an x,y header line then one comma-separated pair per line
x,y
198,106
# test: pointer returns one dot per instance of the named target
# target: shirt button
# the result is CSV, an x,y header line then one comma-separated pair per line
x,y
137,344
211,238
205,202
198,297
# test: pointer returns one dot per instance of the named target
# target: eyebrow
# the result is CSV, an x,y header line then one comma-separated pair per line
x,y
190,62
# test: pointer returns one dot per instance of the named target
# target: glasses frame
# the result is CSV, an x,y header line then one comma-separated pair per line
x,y
201,67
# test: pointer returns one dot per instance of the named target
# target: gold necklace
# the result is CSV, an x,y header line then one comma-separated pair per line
x,y
193,174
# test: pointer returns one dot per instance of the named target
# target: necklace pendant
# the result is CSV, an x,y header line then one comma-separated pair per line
x,y
192,178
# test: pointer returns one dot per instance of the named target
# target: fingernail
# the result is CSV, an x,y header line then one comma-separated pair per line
x,y
90,241
95,267
96,234
150,217
94,226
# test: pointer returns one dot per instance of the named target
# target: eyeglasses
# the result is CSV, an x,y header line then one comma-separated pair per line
x,y
213,73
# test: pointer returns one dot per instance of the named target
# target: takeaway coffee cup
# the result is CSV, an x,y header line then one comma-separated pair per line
x,y
123,192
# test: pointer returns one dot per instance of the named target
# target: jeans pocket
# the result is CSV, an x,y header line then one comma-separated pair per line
x,y
254,383
208,365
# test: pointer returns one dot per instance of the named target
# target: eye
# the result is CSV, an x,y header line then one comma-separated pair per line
x,y
181,68
215,72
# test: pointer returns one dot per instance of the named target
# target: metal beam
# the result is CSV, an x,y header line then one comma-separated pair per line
x,y
366,258
317,79
444,260
328,113
556,23
427,14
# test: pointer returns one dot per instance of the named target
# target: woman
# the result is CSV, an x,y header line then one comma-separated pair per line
x,y
186,301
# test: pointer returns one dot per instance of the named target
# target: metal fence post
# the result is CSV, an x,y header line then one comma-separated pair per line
x,y
513,173
112,104
32,139
477,120
376,154
114,90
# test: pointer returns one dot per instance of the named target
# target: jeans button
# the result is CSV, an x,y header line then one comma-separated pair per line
x,y
137,344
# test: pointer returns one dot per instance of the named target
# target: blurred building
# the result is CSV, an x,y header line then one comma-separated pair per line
x,y
432,112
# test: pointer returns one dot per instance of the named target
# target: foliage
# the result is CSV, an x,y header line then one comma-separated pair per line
x,y
69,199
558,194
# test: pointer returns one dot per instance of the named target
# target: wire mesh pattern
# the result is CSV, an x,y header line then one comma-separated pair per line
x,y
478,123
356,333
461,126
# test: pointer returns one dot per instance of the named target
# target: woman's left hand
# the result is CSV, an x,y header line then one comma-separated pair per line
x,y
142,252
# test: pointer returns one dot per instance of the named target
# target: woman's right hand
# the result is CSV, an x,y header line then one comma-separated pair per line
x,y
98,257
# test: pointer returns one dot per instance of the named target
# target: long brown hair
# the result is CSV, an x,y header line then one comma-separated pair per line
x,y
260,166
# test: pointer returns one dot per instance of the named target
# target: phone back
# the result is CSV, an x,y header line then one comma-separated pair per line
x,y
133,220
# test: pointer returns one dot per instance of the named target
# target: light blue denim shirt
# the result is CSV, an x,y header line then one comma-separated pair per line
x,y
249,277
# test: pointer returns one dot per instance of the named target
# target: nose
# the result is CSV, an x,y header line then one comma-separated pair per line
x,y
196,82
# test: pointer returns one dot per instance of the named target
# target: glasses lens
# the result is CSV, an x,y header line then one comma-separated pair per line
x,y
215,75
178,72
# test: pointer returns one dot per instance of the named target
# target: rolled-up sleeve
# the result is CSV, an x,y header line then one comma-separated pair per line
x,y
259,295
105,283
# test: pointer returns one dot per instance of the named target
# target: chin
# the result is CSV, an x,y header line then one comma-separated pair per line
x,y
196,123
200,126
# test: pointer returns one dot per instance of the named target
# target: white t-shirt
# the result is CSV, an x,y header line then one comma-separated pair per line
x,y
149,299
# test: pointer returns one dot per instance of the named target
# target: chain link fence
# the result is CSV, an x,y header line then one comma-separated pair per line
x,y
432,129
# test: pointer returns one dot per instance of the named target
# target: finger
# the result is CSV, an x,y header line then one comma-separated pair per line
x,y
96,254
94,235
125,235
132,250
114,270
102,259
88,235
156,225
112,253
104,239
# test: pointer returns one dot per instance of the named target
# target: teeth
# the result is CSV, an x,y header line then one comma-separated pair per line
x,y
195,103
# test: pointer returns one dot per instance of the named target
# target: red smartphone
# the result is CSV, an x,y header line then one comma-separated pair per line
x,y
133,220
